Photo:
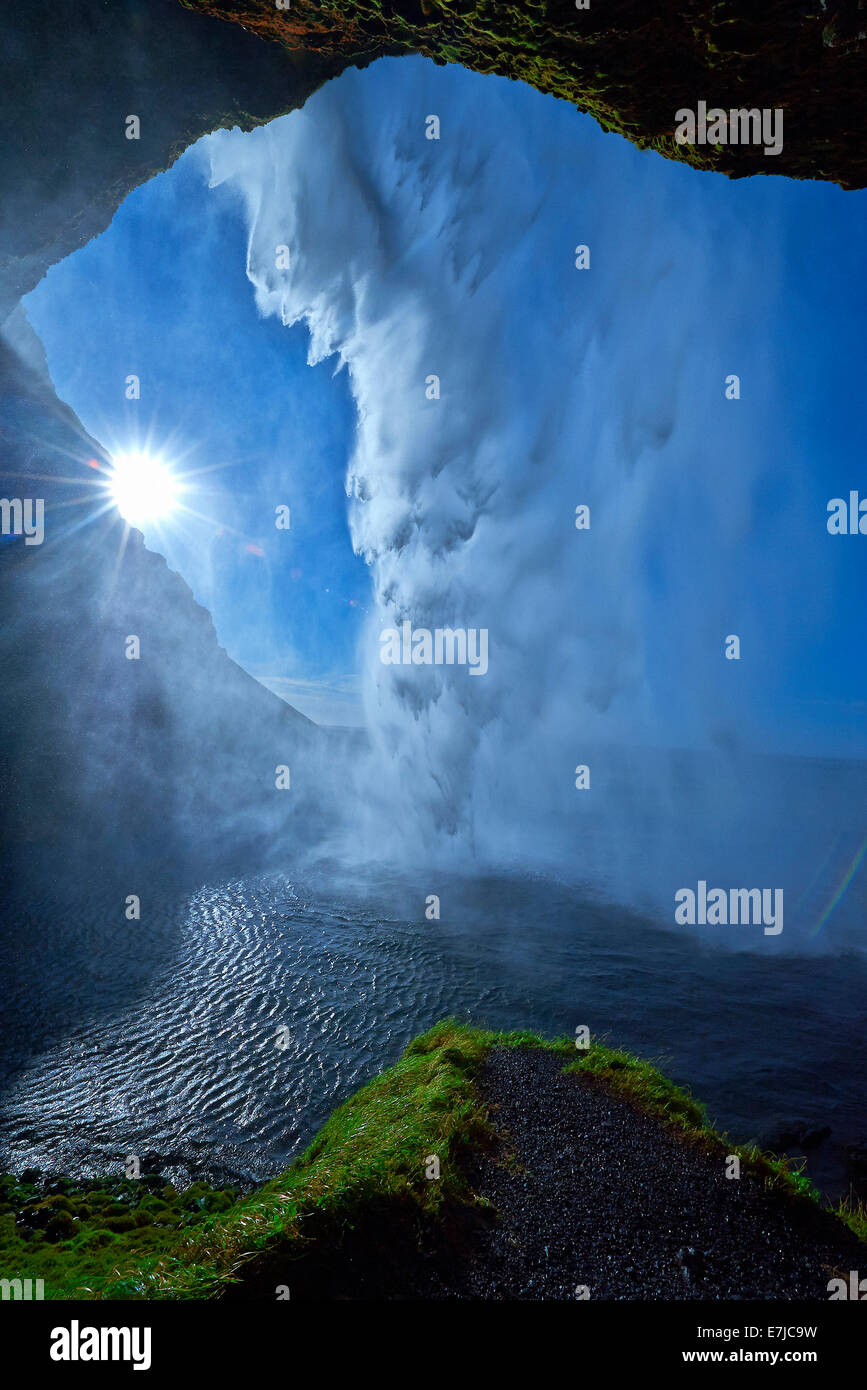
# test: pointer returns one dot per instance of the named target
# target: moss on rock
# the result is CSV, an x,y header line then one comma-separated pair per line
x,y
629,64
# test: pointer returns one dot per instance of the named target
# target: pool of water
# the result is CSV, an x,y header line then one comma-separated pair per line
x,y
216,1034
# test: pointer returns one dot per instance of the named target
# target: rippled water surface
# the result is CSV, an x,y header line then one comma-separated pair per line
x,y
217,1033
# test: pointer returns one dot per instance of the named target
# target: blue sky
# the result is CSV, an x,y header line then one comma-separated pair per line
x,y
163,294
456,256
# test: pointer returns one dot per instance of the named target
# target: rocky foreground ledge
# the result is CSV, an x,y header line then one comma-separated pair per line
x,y
482,1165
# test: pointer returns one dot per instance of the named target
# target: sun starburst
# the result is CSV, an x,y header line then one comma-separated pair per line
x,y
142,487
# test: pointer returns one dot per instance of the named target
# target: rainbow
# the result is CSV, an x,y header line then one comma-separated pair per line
x,y
847,879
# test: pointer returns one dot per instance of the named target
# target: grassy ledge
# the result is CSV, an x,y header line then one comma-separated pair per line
x,y
131,1240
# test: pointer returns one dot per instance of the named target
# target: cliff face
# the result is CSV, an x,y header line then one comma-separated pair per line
x,y
629,64
103,757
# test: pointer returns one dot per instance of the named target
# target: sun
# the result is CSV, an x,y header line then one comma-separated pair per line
x,y
142,487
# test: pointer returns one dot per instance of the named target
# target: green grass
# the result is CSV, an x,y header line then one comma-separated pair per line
x,y
123,1240
854,1214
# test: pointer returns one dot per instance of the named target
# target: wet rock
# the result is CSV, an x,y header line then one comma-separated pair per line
x,y
800,1136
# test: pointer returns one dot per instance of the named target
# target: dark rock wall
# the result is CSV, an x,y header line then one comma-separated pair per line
x,y
71,76
630,64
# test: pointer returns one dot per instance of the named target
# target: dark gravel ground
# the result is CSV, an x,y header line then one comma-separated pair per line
x,y
597,1193
584,1189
